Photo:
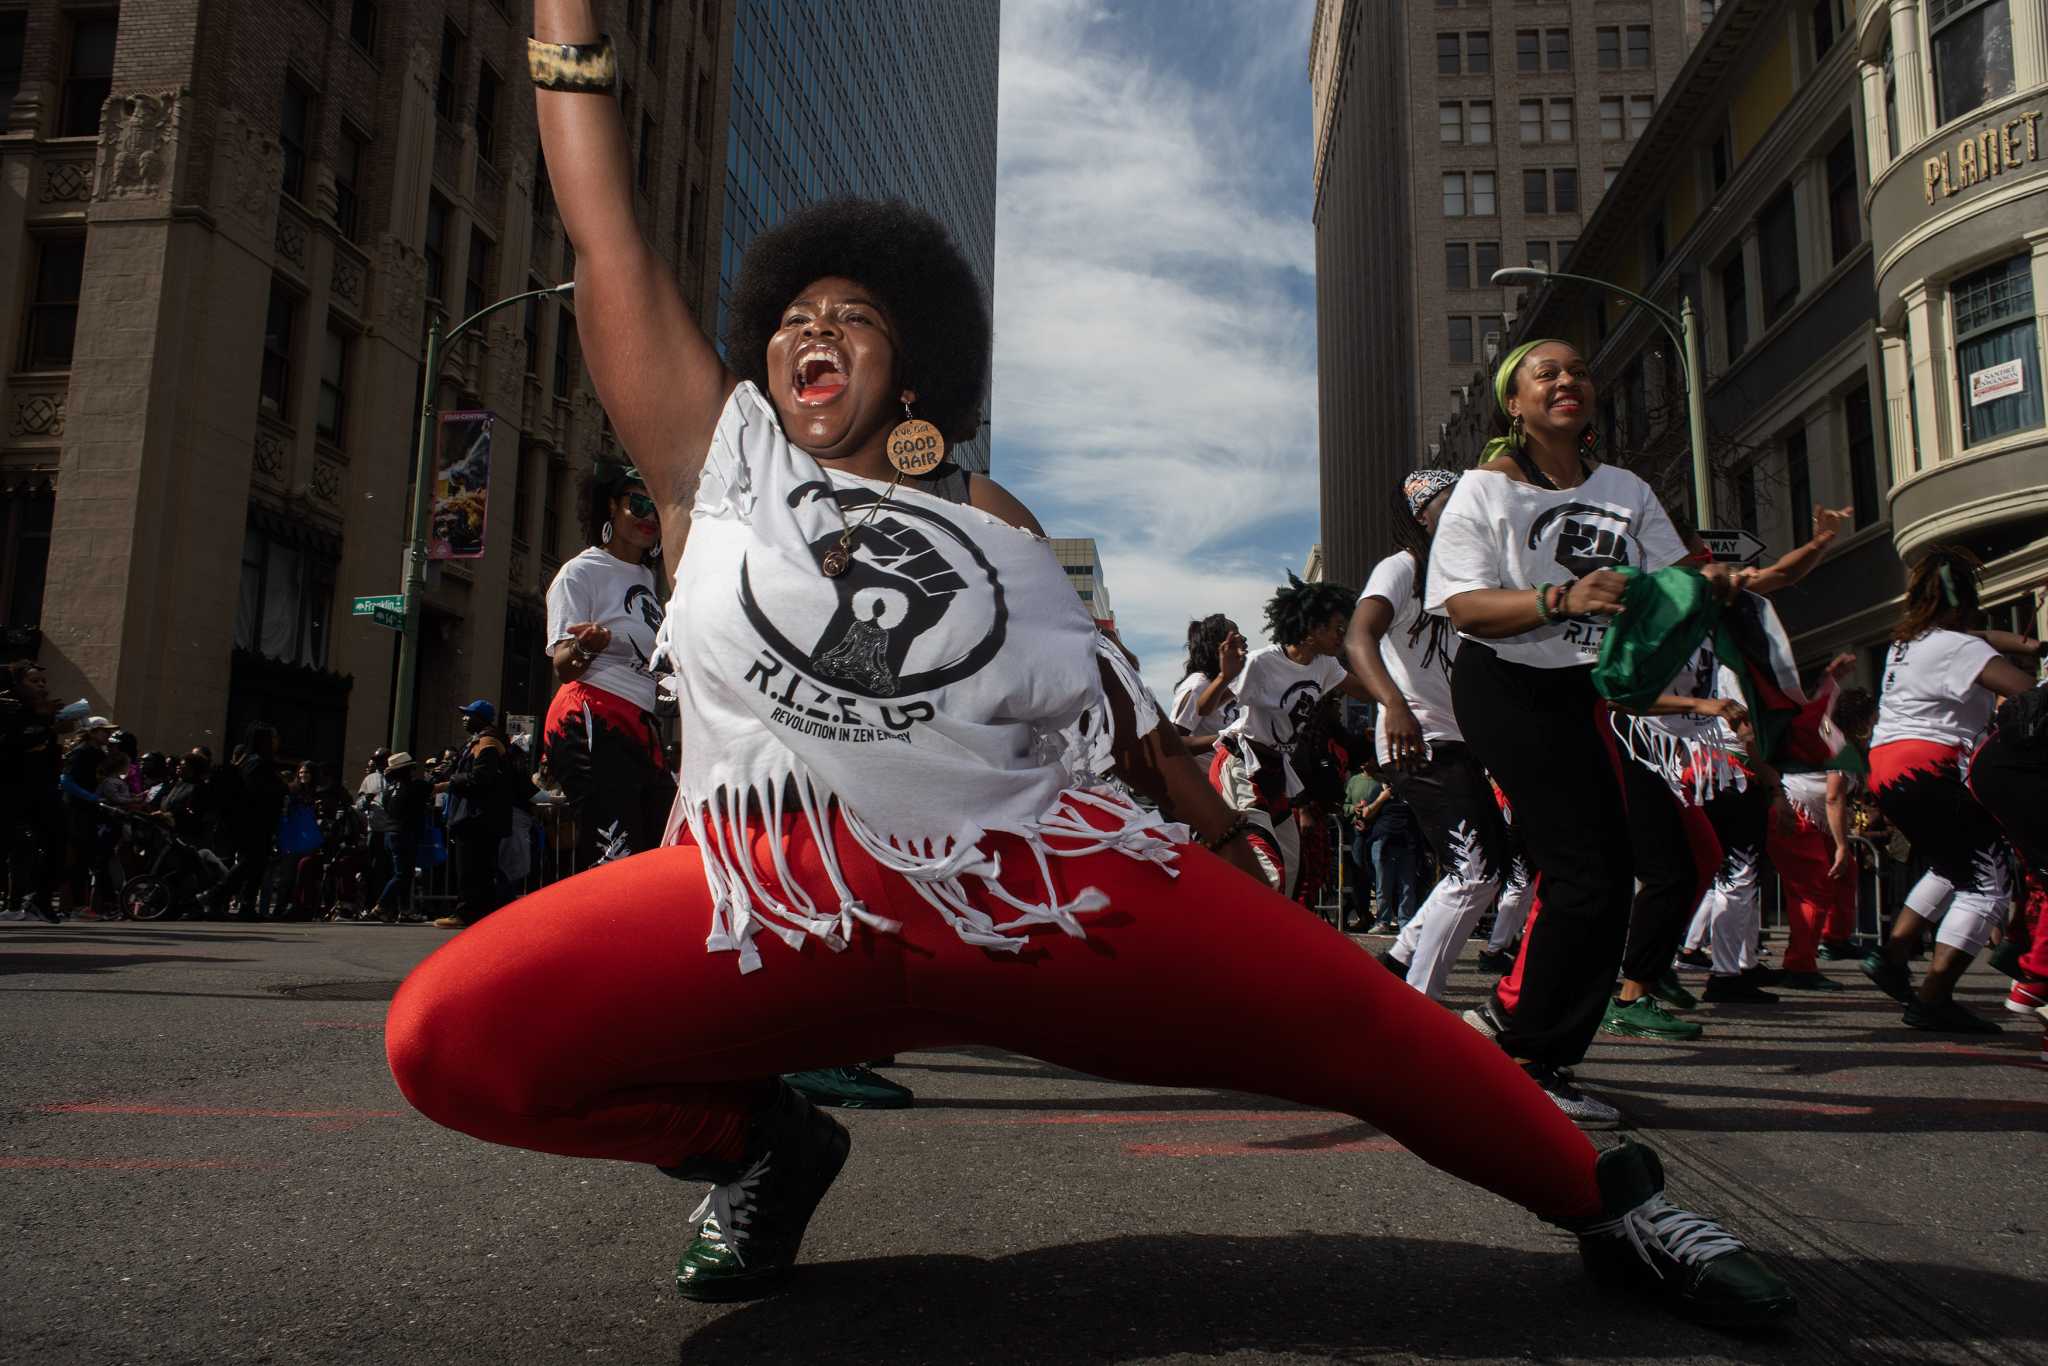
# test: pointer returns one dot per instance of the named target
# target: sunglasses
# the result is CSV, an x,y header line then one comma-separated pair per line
x,y
639,504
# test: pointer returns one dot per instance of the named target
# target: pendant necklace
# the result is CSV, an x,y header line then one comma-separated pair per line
x,y
915,447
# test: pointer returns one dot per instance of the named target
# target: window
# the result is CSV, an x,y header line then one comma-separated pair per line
x,y
1708,9
565,356
1610,117
280,326
1607,42
522,491
1483,194
696,229
1561,120
485,119
1528,50
362,24
1564,190
1564,251
1447,54
543,189
1719,161
348,170
1778,250
1538,253
1478,53
294,129
551,509
1457,266
26,512
1972,42
1637,50
1557,49
703,109
1823,37
1461,341
529,327
448,75
13,46
1863,480
1891,102
53,310
1608,175
653,29
1454,194
88,76
1639,107
1450,122
644,172
1845,216
1531,120
331,421
1799,486
1535,192
1486,256
435,248
1735,304
476,285
1637,386
1479,122
285,598
1654,234
1996,358
1745,498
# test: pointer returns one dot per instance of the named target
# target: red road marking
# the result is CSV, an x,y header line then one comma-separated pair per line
x,y
1359,1145
1160,1118
125,1164
1965,1051
344,1024
1812,1107
93,1107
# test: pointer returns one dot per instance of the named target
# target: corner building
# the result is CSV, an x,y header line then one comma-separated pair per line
x,y
889,100
1452,139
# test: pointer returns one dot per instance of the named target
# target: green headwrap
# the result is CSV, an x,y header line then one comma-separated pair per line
x,y
1502,378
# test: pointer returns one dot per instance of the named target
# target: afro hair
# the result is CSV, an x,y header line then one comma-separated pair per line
x,y
1301,608
905,257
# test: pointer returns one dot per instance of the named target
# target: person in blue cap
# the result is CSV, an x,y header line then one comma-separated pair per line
x,y
479,815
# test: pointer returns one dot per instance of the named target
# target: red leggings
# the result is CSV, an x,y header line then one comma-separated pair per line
x,y
1818,905
589,1020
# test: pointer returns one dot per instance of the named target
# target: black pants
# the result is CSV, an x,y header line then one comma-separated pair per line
x,y
2010,777
1669,883
1454,804
610,769
476,875
1536,731
246,871
1740,820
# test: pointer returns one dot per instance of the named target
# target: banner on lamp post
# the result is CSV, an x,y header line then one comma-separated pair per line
x,y
462,486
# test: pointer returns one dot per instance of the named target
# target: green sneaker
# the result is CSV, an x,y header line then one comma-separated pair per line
x,y
752,1222
1646,1018
1672,993
1697,1268
1811,981
859,1087
2006,958
1893,979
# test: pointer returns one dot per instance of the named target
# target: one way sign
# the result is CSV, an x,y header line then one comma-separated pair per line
x,y
1733,547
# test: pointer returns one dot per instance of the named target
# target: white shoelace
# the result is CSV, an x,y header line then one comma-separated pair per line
x,y
1683,1236
727,1210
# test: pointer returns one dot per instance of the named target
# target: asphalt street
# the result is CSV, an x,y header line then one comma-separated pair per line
x,y
204,1159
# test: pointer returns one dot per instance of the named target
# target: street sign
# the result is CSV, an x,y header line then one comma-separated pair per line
x,y
376,602
1733,547
391,618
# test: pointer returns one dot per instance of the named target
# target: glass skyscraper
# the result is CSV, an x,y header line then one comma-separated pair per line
x,y
884,98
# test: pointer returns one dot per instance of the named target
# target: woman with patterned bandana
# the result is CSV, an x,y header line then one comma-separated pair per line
x,y
867,874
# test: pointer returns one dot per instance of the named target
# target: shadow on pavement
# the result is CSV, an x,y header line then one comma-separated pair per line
x,y
96,962
1345,1298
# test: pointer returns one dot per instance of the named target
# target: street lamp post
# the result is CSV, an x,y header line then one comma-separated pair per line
x,y
422,499
1684,330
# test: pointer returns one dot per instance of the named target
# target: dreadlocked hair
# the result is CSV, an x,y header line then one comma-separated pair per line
x,y
1856,710
1205,639
1300,608
1411,536
1940,589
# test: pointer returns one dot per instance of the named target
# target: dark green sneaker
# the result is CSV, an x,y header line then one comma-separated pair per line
x,y
859,1087
1893,979
1695,1267
1672,992
752,1222
2006,958
1646,1018
1839,950
1947,1017
1811,981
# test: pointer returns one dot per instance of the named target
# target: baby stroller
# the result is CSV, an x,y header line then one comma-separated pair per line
x,y
177,873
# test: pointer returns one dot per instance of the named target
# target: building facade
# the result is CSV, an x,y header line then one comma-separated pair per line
x,y
1954,96
1451,140
223,224
841,97
1082,560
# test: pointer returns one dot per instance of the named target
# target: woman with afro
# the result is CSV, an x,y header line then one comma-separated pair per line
x,y
894,709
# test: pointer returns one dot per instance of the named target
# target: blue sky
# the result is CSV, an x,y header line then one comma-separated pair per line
x,y
1155,379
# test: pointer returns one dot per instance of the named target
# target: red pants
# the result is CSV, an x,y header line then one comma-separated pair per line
x,y
1817,905
589,1020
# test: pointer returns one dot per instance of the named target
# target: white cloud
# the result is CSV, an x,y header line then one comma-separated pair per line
x,y
1155,380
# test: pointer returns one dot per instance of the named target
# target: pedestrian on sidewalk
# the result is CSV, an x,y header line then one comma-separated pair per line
x,y
407,803
480,798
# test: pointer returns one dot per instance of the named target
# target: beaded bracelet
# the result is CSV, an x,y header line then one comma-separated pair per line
x,y
1543,603
1240,826
579,68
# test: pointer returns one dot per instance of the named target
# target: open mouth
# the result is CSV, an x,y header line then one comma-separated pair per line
x,y
820,375
1566,403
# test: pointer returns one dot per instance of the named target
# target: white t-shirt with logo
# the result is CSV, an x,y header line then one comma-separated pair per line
x,y
1498,532
1424,681
1277,697
624,598
1807,793
1931,692
1187,710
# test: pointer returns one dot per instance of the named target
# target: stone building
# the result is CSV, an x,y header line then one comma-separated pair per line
x,y
223,224
1452,139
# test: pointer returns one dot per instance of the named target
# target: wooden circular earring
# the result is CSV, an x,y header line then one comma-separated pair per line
x,y
915,446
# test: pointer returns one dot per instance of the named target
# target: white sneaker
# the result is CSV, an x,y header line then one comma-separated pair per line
x,y
1580,1108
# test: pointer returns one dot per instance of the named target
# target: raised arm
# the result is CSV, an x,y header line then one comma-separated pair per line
x,y
659,378
1827,524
